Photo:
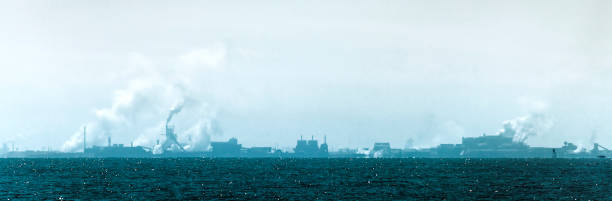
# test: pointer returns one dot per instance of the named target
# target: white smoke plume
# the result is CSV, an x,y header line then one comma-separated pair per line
x,y
151,100
175,110
521,128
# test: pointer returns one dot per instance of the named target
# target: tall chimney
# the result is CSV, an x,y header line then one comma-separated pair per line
x,y
84,138
109,141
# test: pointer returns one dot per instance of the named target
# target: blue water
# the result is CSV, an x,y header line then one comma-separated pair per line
x,y
305,179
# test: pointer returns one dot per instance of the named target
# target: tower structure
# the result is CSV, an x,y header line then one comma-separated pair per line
x,y
324,149
171,139
84,138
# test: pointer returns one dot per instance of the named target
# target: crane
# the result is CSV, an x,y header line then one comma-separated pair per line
x,y
595,150
597,145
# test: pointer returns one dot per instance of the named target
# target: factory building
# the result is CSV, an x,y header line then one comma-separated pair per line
x,y
116,151
231,148
310,148
384,150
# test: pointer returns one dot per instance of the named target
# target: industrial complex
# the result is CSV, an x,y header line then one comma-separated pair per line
x,y
485,146
501,145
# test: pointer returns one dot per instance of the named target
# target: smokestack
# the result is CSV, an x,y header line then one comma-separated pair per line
x,y
109,141
84,138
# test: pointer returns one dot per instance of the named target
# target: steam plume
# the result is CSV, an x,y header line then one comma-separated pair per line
x,y
137,112
174,110
521,128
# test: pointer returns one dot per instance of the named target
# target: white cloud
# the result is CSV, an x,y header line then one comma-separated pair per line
x,y
138,110
207,58
468,67
531,104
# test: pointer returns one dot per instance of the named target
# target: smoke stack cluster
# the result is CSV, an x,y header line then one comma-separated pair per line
x,y
139,110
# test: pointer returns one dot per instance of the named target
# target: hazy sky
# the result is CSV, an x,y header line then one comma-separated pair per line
x,y
267,72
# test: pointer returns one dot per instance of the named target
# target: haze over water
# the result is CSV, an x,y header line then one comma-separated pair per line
x,y
388,79
268,72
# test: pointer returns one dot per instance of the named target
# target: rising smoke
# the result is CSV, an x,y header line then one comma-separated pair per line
x,y
153,99
173,111
197,136
521,128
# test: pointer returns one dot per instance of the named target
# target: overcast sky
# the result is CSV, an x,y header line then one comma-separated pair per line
x,y
267,72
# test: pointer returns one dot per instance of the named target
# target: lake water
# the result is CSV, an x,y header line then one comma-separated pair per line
x,y
306,179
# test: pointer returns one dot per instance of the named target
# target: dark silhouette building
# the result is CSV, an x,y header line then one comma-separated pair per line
x,y
310,148
383,149
117,151
231,148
